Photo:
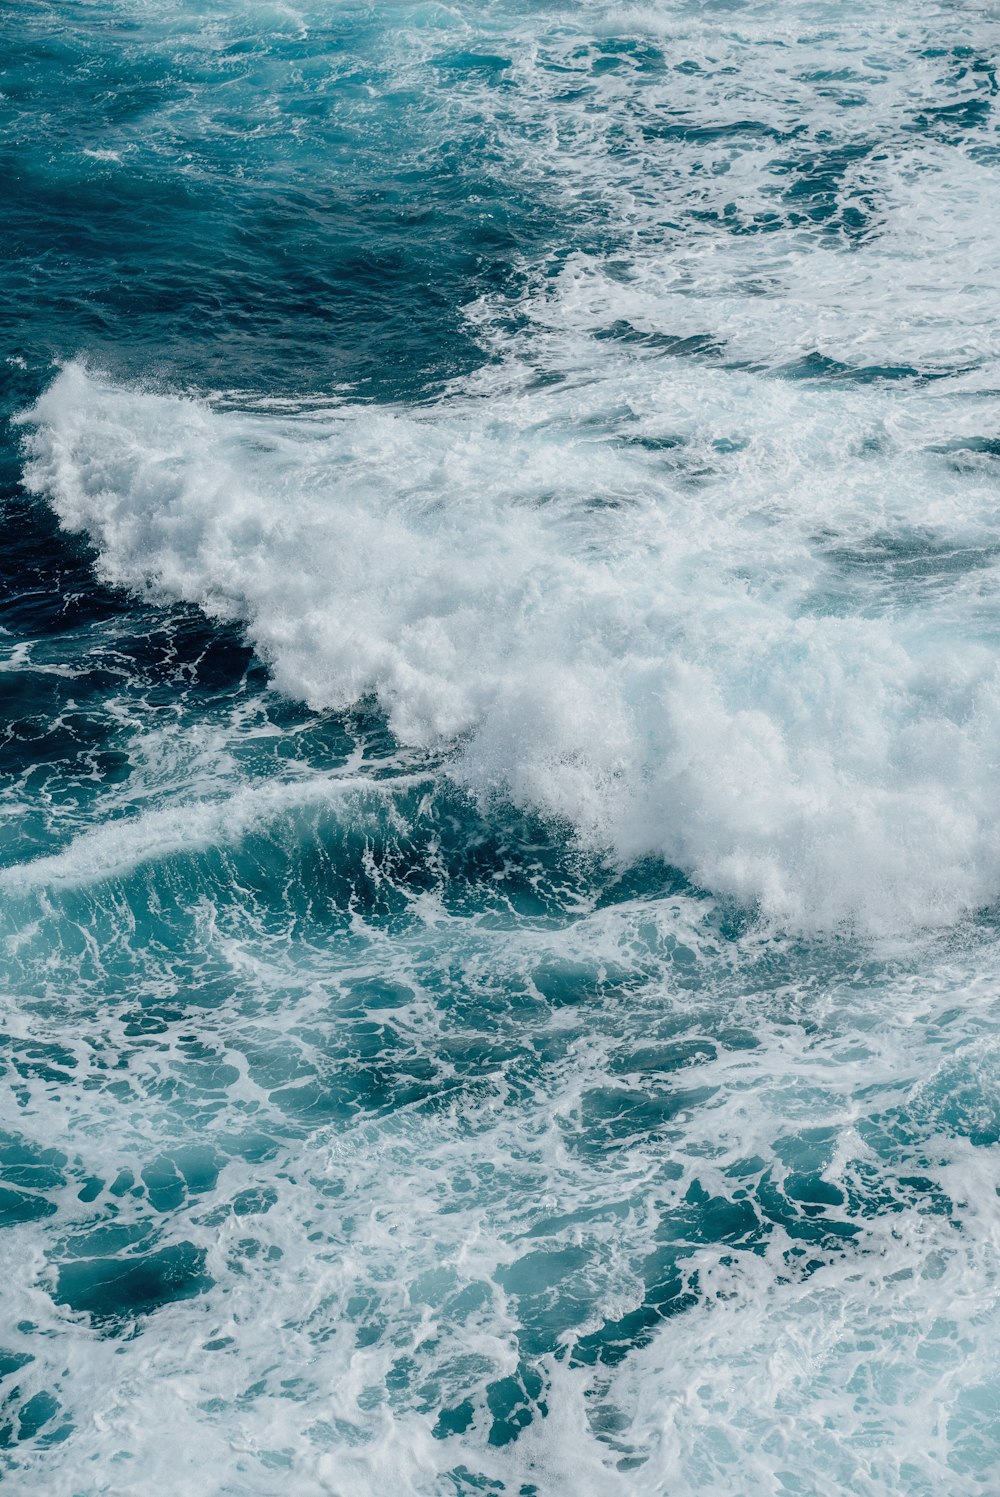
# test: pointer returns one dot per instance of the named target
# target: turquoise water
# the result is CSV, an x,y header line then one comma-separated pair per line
x,y
500,850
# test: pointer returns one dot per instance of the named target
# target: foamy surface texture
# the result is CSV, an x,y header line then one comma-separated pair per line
x,y
499,832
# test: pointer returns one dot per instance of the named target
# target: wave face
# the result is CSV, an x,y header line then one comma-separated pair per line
x,y
501,711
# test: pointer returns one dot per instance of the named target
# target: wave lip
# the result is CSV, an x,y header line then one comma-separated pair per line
x,y
119,846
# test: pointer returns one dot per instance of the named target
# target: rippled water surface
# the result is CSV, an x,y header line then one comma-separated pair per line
x,y
500,703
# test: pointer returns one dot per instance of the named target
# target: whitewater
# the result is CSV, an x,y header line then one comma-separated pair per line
x,y
500,689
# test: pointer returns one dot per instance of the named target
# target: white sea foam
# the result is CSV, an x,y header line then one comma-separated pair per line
x,y
873,1371
743,623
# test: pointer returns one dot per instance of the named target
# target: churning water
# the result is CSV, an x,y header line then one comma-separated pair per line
x,y
500,655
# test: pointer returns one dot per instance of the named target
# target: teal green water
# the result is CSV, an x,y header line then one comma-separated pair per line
x,y
500,699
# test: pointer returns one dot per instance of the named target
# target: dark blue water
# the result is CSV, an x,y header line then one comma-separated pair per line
x,y
500,706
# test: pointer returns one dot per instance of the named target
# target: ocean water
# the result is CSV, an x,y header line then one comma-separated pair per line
x,y
500,668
